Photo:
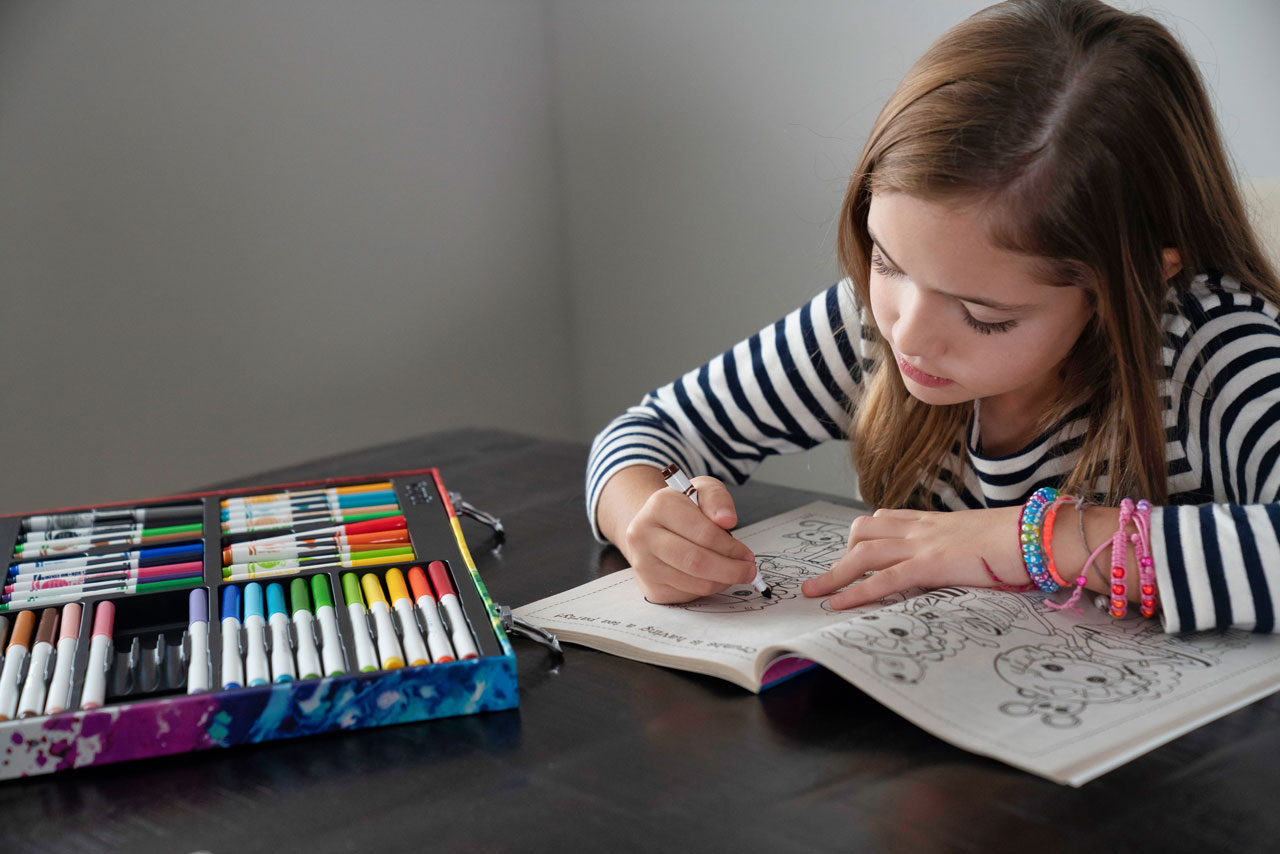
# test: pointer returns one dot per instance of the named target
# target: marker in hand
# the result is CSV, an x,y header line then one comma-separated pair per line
x,y
676,479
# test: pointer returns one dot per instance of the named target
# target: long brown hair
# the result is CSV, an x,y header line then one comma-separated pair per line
x,y
1087,135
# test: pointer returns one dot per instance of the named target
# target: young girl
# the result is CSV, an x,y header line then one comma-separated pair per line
x,y
1051,282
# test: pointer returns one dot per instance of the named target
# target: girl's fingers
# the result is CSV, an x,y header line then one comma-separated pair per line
x,y
678,515
701,563
875,587
863,557
715,502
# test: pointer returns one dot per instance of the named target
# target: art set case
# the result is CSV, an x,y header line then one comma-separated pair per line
x,y
151,713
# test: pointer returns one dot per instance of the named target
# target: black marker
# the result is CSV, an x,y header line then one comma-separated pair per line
x,y
677,481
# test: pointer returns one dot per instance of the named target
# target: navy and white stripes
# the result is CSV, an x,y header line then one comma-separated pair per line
x,y
1217,543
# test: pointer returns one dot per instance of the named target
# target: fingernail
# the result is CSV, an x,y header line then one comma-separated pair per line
x,y
723,516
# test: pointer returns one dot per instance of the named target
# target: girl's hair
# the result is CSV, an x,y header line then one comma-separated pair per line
x,y
1086,135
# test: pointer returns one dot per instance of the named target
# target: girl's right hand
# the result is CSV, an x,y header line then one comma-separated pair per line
x,y
681,550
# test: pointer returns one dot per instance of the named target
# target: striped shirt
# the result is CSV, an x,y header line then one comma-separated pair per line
x,y
1216,543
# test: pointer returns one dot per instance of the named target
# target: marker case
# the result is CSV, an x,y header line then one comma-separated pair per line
x,y
147,710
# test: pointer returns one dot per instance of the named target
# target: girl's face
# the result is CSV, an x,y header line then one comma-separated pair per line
x,y
966,320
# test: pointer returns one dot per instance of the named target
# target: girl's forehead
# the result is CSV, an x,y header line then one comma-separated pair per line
x,y
947,246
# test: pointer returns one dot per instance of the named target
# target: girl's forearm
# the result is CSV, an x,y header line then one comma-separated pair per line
x,y
621,499
1069,551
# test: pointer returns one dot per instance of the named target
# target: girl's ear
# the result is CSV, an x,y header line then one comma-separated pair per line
x,y
1172,263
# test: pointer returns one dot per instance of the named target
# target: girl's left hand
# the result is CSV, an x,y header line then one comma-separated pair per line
x,y
918,548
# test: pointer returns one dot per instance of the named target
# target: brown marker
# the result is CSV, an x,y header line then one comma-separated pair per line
x,y
33,691
14,657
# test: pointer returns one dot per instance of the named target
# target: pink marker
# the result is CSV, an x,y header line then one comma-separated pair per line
x,y
60,686
458,631
94,693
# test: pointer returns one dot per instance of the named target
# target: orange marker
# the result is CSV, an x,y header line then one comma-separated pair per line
x,y
14,657
437,637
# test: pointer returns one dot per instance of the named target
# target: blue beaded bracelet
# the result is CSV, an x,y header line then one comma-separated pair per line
x,y
1030,533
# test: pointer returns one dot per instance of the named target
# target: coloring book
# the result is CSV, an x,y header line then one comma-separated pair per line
x,y
1067,695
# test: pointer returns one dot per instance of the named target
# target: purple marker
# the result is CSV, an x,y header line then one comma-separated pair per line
x,y
198,631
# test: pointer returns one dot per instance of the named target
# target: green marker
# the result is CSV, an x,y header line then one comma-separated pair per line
x,y
308,655
333,560
330,639
366,658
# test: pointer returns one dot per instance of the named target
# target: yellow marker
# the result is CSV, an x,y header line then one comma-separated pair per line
x,y
388,643
414,647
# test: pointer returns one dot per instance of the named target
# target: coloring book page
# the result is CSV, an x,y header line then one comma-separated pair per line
x,y
1066,694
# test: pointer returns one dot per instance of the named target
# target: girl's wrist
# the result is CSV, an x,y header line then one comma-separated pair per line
x,y
1070,549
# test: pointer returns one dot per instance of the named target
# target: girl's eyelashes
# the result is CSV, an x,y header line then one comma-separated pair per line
x,y
878,264
988,328
881,267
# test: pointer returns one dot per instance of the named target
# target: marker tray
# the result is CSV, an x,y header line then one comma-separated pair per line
x,y
146,708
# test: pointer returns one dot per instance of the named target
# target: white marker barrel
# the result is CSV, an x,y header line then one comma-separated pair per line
x,y
415,650
60,685
94,693
308,655
34,689
198,667
281,652
366,656
330,641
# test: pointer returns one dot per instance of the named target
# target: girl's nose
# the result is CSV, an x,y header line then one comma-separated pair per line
x,y
917,331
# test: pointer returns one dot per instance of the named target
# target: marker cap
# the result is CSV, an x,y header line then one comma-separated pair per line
x,y
298,595
48,626
440,578
275,599
23,627
372,589
70,621
230,602
387,523
418,581
395,585
320,591
253,601
198,606
104,618
351,589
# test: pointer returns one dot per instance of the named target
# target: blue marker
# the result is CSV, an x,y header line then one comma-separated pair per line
x,y
343,502
281,655
232,668
255,641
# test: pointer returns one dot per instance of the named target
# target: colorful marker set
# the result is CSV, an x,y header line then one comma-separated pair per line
x,y
65,557
240,616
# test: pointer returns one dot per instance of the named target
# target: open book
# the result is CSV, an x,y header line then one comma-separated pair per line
x,y
1067,695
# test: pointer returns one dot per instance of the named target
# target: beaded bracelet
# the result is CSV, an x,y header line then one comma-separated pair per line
x,y
1120,562
1029,531
1146,565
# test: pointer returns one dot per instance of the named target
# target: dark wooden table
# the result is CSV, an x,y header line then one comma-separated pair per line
x,y
606,754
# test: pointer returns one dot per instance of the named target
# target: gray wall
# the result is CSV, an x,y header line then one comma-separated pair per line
x,y
236,235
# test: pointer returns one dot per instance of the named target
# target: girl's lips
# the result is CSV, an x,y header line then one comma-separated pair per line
x,y
920,377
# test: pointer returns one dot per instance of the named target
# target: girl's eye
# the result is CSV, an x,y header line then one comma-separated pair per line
x,y
988,328
878,264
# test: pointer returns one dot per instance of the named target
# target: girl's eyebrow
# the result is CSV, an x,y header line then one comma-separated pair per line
x,y
989,303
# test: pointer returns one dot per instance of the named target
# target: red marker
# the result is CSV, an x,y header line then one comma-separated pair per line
x,y
462,642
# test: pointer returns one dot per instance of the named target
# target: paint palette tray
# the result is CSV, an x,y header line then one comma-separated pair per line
x,y
231,617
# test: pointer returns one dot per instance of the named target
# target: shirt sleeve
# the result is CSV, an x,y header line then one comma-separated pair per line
x,y
1218,564
784,389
